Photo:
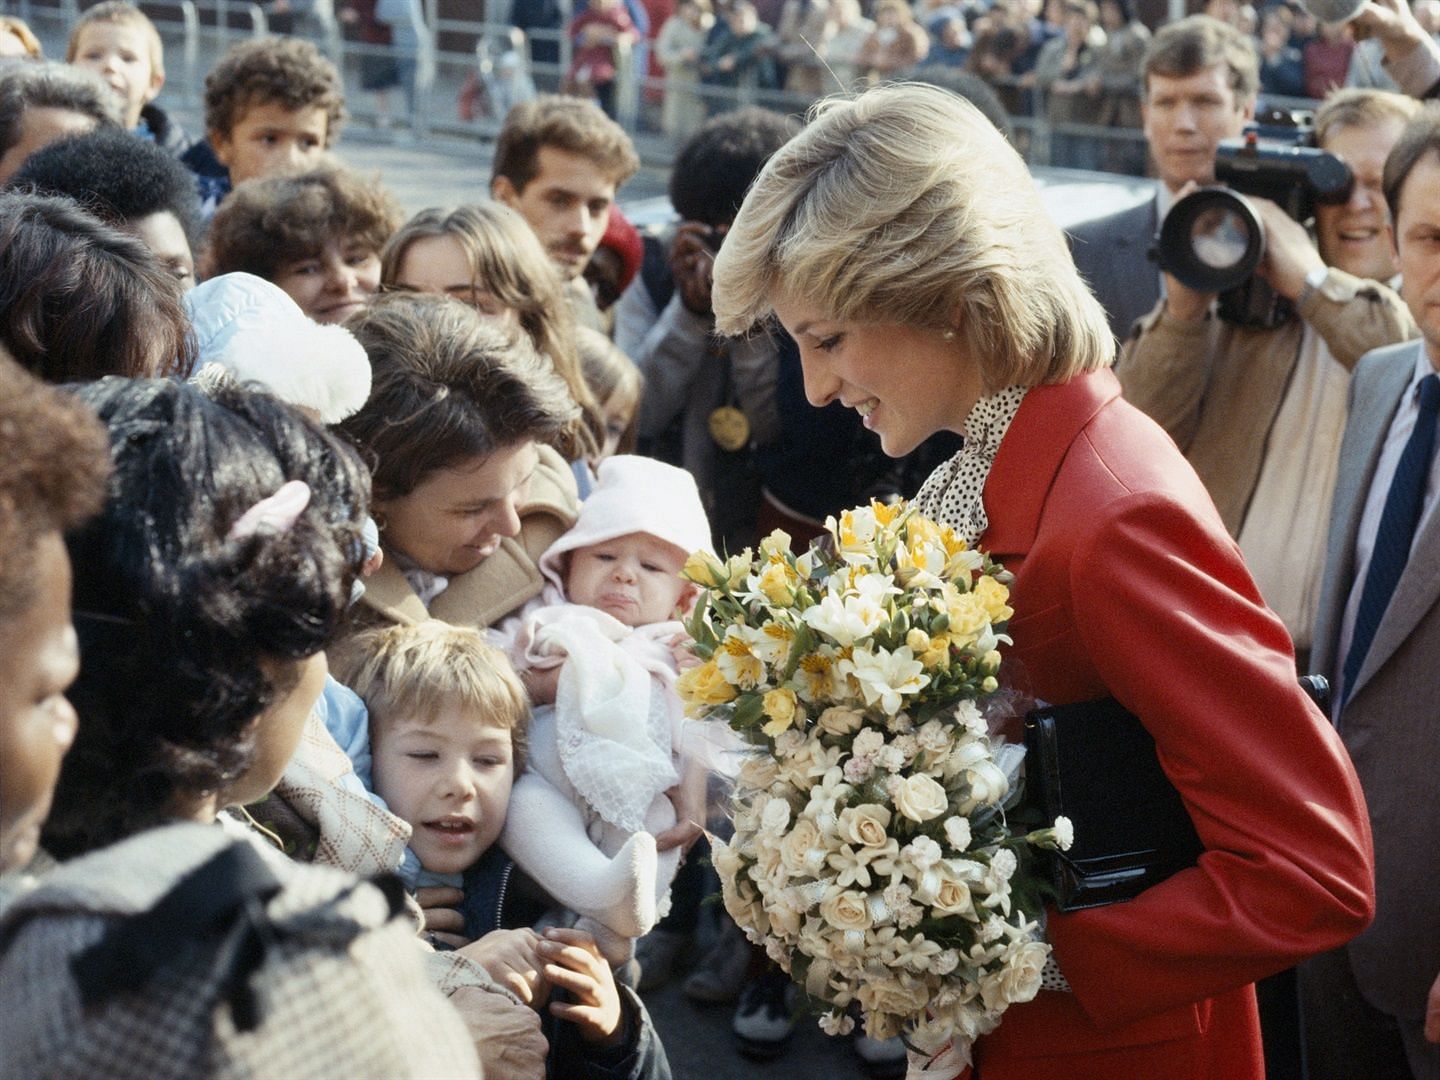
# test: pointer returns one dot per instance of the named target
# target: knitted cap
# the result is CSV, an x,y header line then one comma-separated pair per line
x,y
634,495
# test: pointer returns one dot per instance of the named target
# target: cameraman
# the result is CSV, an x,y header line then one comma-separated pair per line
x,y
1260,412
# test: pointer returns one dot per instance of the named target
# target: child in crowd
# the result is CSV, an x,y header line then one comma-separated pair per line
x,y
617,384
600,651
317,235
272,106
128,183
447,732
118,42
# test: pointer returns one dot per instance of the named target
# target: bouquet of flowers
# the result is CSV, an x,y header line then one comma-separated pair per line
x,y
871,855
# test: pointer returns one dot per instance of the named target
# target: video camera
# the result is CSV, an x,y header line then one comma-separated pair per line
x,y
1212,239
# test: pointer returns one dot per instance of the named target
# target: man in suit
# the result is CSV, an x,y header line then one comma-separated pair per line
x,y
1377,639
1259,411
1199,79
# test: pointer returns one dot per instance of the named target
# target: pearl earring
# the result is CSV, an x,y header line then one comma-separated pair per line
x,y
948,335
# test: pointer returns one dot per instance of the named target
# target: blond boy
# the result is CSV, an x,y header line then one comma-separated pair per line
x,y
118,42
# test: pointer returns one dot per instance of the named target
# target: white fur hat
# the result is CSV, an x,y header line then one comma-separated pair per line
x,y
254,331
635,495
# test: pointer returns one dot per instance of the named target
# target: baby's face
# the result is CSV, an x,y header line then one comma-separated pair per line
x,y
635,578
449,776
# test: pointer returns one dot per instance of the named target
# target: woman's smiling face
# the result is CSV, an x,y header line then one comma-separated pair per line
x,y
906,383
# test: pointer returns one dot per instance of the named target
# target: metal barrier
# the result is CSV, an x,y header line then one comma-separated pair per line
x,y
501,57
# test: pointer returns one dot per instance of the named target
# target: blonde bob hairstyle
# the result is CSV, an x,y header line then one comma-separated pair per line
x,y
905,205
508,262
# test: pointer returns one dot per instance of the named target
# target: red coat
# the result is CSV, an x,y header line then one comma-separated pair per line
x,y
1127,584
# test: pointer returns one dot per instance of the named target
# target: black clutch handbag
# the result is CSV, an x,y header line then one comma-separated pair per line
x,y
1095,763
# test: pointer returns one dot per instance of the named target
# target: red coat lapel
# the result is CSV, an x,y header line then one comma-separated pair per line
x,y
1039,437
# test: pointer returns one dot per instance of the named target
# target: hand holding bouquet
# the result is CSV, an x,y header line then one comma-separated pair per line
x,y
871,854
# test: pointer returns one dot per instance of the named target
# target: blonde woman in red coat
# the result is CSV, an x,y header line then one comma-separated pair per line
x,y
900,241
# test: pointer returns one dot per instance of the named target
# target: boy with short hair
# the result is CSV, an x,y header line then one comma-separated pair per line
x,y
118,42
272,106
448,720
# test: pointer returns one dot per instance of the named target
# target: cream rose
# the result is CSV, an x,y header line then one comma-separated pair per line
x,y
957,831
1019,980
795,849
865,825
840,721
920,798
846,910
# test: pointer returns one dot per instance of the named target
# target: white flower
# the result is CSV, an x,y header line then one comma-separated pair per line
x,y
868,741
891,758
865,824
886,676
1004,863
858,769
845,620
933,738
967,715
957,831
775,817
921,853
837,1023
757,773
1064,833
916,953
920,798
946,962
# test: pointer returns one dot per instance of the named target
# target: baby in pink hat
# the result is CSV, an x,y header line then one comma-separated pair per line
x,y
600,649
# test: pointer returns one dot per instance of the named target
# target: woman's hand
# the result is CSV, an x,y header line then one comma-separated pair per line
x,y
443,921
507,1036
573,962
510,958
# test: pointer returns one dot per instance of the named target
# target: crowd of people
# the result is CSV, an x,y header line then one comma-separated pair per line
x,y
341,553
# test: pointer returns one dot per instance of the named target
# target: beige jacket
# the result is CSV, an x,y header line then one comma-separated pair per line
x,y
500,584
1216,388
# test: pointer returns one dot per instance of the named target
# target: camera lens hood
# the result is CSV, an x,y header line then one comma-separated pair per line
x,y
1212,240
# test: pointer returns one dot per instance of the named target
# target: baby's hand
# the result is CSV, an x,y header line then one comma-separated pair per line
x,y
443,921
573,961
540,683
681,654
510,958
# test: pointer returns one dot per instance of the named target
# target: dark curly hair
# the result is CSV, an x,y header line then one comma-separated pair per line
x,y
175,619
280,71
117,177
717,165
80,299
268,223
52,474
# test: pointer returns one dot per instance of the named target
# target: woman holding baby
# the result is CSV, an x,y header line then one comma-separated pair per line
x,y
901,242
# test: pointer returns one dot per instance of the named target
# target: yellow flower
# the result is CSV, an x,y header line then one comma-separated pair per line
x,y
918,640
776,545
967,615
777,581
703,569
780,707
738,566
993,596
938,652
703,686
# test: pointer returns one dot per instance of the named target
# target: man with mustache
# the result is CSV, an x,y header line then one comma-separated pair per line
x,y
559,161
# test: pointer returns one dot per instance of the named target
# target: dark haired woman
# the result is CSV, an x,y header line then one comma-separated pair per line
x,y
205,594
